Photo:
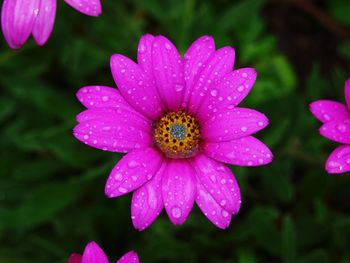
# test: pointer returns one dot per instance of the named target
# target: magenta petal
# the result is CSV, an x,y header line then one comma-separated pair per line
x,y
179,189
7,21
229,124
168,73
18,17
132,171
147,202
219,181
339,160
246,151
101,96
94,254
338,130
231,90
113,132
130,257
136,87
144,54
347,93
211,209
218,65
327,110
87,7
74,258
194,59
44,22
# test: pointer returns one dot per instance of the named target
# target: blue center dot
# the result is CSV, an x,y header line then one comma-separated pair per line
x,y
178,131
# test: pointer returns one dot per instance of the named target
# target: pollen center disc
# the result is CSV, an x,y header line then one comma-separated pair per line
x,y
177,134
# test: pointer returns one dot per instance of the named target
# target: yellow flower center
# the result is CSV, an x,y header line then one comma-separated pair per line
x,y
177,135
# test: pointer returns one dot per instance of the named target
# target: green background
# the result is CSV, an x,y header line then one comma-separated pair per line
x,y
51,185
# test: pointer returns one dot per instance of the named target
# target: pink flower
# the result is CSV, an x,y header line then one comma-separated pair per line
x,y
178,120
20,18
335,117
94,254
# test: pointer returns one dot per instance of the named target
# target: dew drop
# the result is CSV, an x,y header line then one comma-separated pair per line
x,y
341,127
176,212
224,213
244,128
240,88
122,190
133,164
214,92
118,176
179,87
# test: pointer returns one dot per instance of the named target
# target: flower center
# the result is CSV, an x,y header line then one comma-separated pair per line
x,y
177,135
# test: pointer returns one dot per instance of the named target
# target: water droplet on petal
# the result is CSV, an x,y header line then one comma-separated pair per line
x,y
341,127
133,164
176,212
179,87
122,190
118,176
214,92
224,213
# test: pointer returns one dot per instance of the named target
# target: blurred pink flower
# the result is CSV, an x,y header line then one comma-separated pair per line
x,y
94,254
20,18
336,127
178,120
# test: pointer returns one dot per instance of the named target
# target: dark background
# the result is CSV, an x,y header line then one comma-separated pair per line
x,y
51,185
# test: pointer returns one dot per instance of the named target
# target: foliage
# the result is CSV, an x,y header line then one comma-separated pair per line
x,y
51,186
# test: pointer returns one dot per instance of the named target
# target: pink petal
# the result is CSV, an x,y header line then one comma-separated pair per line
x,y
113,132
179,189
194,59
231,90
94,254
211,209
87,7
338,130
74,258
219,181
18,17
136,87
339,160
130,257
327,110
246,151
347,93
44,22
218,65
144,54
132,171
229,124
147,202
168,73
101,96
116,114
7,21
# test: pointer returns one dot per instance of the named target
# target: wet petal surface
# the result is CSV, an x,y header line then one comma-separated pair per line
x,y
229,124
327,110
87,7
147,202
339,160
219,181
246,151
211,209
133,171
178,188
